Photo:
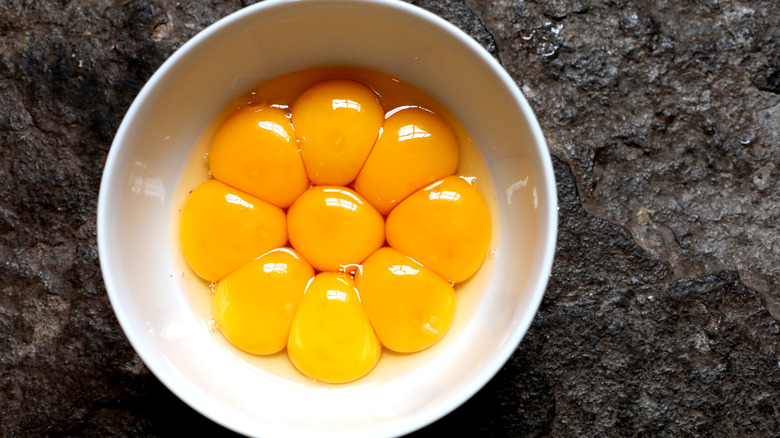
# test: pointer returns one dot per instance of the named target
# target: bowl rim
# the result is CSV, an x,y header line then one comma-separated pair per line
x,y
546,176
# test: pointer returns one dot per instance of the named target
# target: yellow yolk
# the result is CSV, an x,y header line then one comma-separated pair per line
x,y
409,306
254,305
331,338
223,228
415,149
445,226
255,150
334,226
337,123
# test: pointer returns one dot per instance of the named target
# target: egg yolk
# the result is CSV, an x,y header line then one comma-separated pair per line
x,y
333,227
416,148
223,228
409,306
331,338
445,227
337,123
255,150
254,305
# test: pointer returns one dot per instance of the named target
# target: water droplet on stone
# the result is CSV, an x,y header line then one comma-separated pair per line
x,y
546,49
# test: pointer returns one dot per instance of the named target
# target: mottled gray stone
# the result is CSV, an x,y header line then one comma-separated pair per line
x,y
664,119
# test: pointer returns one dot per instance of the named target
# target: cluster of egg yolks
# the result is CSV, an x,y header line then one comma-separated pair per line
x,y
402,165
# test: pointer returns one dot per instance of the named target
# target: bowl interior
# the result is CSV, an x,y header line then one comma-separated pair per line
x,y
139,202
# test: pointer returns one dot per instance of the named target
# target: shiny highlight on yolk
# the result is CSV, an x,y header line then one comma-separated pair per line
x,y
416,148
255,150
409,306
337,123
254,305
223,228
334,226
331,338
445,226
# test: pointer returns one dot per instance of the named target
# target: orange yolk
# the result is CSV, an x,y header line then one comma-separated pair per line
x,y
409,306
255,150
223,228
331,338
415,148
334,226
337,123
254,305
445,226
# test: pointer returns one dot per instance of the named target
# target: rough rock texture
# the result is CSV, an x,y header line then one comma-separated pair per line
x,y
664,121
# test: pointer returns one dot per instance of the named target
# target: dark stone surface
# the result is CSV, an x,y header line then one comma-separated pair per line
x,y
664,120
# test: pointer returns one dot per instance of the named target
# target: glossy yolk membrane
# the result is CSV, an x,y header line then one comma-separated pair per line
x,y
223,228
334,226
331,338
337,123
410,306
255,151
415,149
254,305
234,231
445,227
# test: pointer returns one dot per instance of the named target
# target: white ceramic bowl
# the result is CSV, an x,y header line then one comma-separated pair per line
x,y
141,192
